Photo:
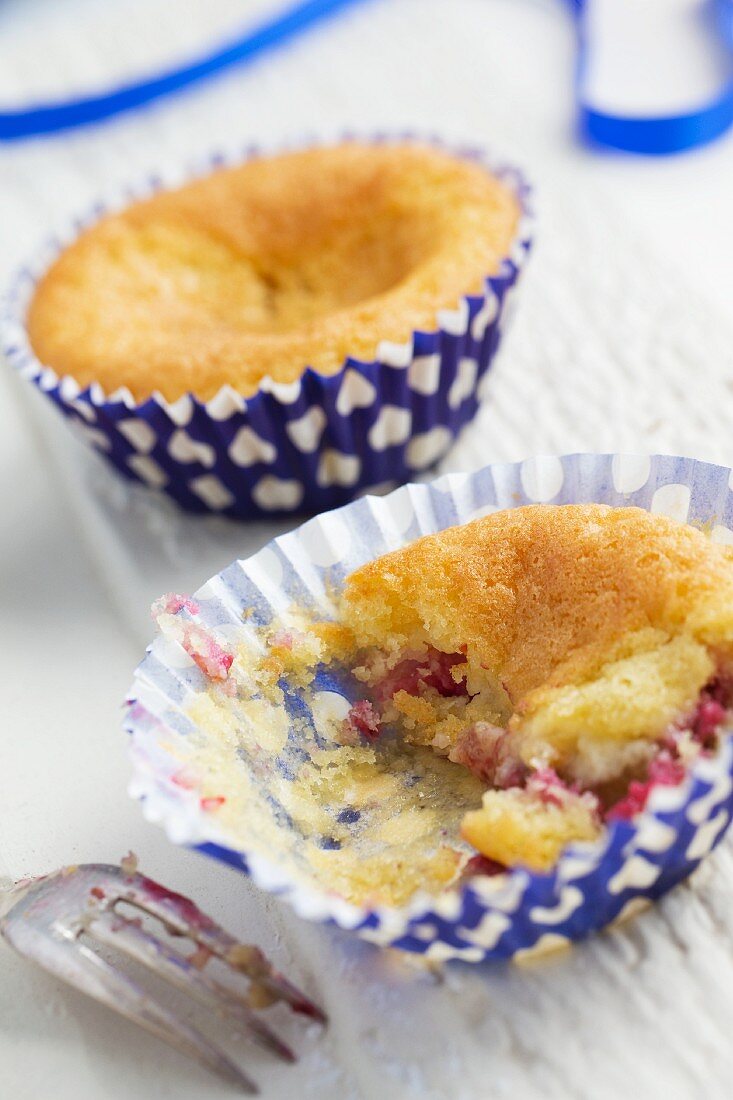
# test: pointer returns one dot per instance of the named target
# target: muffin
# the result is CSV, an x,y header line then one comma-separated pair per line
x,y
571,657
312,718
285,262
289,330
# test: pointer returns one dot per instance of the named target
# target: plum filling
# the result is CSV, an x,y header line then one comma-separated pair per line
x,y
549,788
363,720
414,674
489,752
667,768
664,771
526,808
171,603
198,642
481,865
711,711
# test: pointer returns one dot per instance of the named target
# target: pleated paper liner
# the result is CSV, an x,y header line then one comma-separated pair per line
x,y
592,884
304,446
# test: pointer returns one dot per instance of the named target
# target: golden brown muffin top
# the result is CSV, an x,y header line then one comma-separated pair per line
x,y
264,269
546,595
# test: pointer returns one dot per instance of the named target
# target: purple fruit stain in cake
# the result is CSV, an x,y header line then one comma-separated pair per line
x,y
482,865
549,787
171,603
488,752
414,674
213,802
199,643
185,779
363,720
205,651
664,771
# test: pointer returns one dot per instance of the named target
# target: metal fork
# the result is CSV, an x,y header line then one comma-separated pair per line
x,y
47,920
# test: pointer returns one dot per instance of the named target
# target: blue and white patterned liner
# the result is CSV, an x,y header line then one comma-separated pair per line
x,y
593,884
304,446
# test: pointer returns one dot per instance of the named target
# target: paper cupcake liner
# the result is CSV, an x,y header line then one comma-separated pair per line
x,y
592,884
304,446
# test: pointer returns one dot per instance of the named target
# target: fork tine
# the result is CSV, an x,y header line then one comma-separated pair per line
x,y
77,965
181,916
114,930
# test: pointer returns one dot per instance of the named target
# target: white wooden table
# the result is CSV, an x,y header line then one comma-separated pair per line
x,y
623,341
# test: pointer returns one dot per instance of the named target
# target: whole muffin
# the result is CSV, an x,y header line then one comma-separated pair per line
x,y
264,269
281,334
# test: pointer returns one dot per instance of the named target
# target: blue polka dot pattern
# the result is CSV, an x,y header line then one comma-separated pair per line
x,y
592,884
305,446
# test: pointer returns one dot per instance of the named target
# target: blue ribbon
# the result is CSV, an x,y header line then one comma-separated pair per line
x,y
656,135
48,118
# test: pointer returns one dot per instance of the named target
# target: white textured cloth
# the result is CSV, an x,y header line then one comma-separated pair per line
x,y
614,347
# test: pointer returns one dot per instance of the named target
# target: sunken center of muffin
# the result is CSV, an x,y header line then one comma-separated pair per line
x,y
288,275
265,269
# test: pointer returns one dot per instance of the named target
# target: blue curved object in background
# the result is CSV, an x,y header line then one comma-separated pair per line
x,y
48,118
652,135
656,135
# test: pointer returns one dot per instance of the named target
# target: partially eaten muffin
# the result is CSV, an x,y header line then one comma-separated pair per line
x,y
572,657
